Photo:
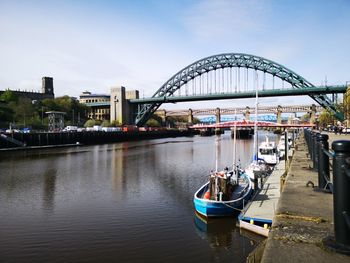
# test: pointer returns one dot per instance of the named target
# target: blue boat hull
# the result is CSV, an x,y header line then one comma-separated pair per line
x,y
211,208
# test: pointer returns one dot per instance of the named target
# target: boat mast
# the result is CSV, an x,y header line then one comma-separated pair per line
x,y
216,153
234,142
255,156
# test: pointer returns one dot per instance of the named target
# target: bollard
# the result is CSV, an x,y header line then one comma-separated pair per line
x,y
314,147
309,142
310,145
315,160
323,164
341,194
307,139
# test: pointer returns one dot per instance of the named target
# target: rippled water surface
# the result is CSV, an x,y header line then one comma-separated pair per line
x,y
124,202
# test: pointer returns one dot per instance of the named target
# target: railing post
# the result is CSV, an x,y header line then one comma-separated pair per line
x,y
323,163
314,151
341,194
310,145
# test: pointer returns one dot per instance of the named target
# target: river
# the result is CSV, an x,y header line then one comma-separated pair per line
x,y
122,202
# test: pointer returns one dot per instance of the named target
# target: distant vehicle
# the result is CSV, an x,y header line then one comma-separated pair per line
x,y
111,129
71,128
26,130
12,131
81,129
89,129
97,128
346,130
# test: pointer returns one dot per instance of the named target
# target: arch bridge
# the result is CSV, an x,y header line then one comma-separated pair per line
x,y
240,110
233,75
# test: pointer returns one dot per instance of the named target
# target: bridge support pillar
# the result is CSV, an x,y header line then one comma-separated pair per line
x,y
279,114
279,117
217,115
313,114
120,110
247,113
162,115
190,116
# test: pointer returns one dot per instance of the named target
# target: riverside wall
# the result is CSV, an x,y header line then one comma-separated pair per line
x,y
97,137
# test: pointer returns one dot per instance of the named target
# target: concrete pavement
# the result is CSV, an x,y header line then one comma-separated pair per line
x,y
304,217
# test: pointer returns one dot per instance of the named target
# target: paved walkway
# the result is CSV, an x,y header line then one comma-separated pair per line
x,y
304,217
263,207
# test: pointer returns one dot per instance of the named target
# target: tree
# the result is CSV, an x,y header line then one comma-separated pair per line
x,y
6,114
90,123
8,96
106,123
153,123
115,123
24,111
325,118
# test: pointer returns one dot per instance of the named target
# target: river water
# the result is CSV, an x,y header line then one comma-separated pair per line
x,y
123,202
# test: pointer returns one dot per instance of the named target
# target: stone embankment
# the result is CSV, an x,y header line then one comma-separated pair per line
x,y
27,140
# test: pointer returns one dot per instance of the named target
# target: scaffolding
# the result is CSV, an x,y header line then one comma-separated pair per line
x,y
56,120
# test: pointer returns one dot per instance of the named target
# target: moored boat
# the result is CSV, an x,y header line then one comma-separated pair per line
x,y
268,152
225,194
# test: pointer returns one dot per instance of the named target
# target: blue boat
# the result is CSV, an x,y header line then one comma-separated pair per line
x,y
225,194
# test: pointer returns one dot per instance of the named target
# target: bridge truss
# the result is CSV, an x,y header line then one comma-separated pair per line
x,y
231,73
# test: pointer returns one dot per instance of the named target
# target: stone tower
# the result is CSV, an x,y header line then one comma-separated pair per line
x,y
121,110
47,85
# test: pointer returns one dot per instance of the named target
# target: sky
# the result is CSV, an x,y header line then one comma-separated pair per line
x,y
95,45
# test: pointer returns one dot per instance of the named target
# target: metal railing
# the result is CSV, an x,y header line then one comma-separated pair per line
x,y
339,184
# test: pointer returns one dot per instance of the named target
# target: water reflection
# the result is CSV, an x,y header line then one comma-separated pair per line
x,y
223,238
129,201
49,188
217,231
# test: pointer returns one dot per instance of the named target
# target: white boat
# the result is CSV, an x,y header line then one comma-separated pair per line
x,y
257,168
281,147
268,152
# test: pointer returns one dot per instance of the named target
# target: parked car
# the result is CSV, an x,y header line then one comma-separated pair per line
x,y
12,131
26,130
346,130
71,129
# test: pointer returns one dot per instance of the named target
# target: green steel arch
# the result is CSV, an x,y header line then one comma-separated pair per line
x,y
229,60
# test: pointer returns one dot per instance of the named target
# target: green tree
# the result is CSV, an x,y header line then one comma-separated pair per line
x,y
325,118
90,123
115,123
153,123
106,123
24,112
6,114
8,96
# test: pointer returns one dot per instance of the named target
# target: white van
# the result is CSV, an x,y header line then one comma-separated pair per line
x,y
71,128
